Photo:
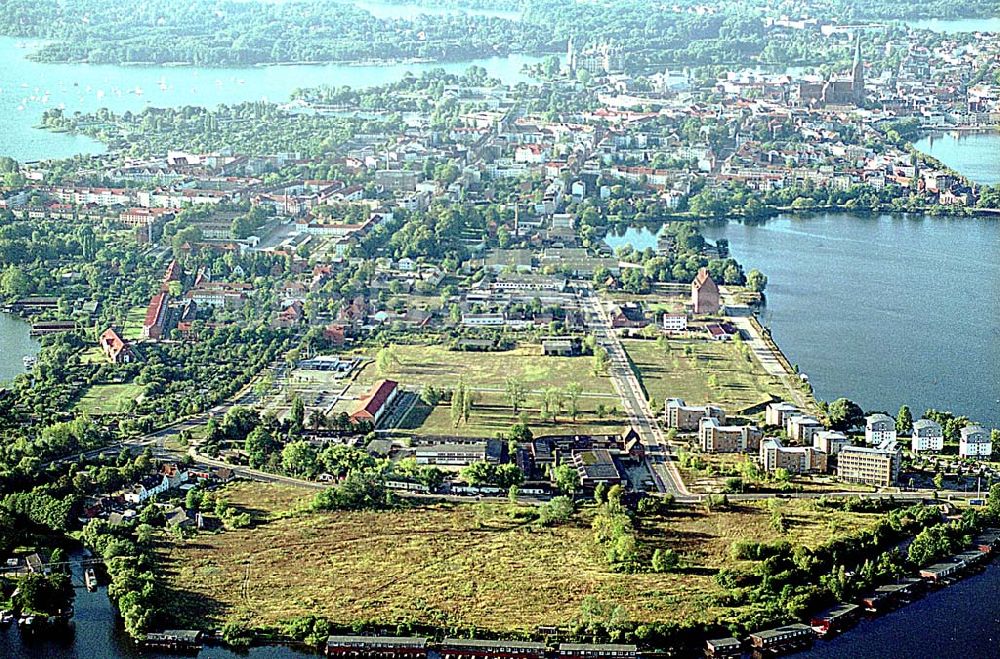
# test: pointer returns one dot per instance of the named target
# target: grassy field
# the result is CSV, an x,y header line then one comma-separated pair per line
x,y
702,371
436,365
471,565
107,398
133,324
491,414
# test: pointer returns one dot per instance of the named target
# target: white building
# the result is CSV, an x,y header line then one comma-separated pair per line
x,y
675,322
801,428
879,428
975,443
927,436
775,413
830,442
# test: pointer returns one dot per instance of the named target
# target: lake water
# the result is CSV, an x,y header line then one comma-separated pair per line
x,y
957,25
966,624
883,310
96,633
974,155
28,88
15,344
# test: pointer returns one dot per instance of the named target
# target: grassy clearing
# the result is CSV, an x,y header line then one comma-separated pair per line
x,y
455,564
702,371
436,365
107,398
133,324
491,415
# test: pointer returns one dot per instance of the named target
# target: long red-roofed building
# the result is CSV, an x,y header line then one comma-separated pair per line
x,y
156,317
377,402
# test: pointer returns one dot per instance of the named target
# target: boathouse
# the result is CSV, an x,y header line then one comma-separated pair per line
x,y
376,646
469,648
836,619
783,638
723,647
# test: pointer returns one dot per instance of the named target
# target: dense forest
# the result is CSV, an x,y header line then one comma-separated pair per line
x,y
233,33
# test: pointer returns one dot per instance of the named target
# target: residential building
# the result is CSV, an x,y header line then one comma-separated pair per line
x,y
154,325
975,443
717,438
675,322
377,402
562,346
830,442
115,348
801,428
879,428
775,413
686,418
927,436
795,459
146,488
870,465
705,294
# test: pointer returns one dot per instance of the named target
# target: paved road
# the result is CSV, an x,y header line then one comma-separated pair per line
x,y
659,455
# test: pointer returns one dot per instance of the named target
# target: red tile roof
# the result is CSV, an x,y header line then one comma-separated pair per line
x,y
375,399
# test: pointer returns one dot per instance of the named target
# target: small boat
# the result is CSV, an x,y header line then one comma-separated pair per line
x,y
29,362
6,617
90,579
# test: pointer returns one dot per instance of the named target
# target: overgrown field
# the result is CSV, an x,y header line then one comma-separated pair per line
x,y
457,564
702,371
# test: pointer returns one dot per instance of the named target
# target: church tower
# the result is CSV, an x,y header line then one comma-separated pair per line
x,y
858,73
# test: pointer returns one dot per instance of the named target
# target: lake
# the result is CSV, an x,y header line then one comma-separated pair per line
x,y
974,155
884,310
956,25
15,344
968,625
28,88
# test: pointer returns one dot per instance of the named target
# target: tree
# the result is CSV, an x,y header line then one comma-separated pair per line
x,y
938,480
904,421
555,511
457,404
566,478
552,402
993,501
845,414
431,395
602,361
317,419
573,392
299,459
665,560
298,413
520,432
756,281
515,392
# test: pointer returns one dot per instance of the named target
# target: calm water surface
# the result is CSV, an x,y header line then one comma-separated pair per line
x,y
884,310
28,88
956,25
15,344
966,625
974,155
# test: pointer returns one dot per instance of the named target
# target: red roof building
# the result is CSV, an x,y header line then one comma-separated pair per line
x,y
115,348
377,402
156,317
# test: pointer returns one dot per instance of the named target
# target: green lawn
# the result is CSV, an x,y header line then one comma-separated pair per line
x,y
702,371
436,365
133,324
107,398
491,415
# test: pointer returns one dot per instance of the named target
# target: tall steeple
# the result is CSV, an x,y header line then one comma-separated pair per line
x,y
858,72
